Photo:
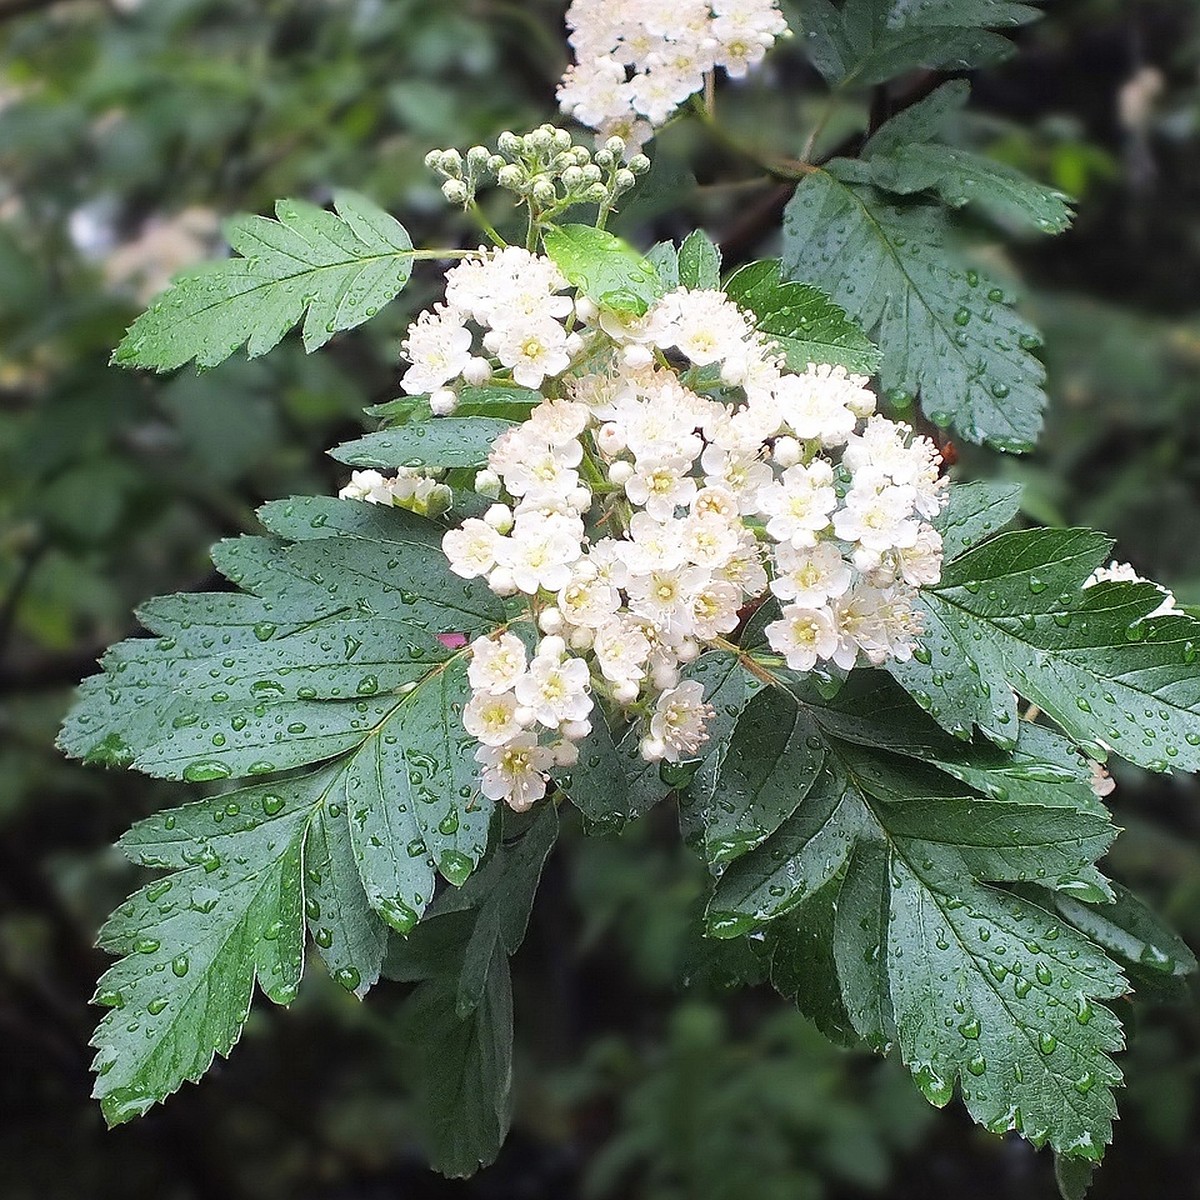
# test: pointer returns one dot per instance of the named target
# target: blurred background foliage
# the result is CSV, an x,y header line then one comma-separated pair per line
x,y
127,131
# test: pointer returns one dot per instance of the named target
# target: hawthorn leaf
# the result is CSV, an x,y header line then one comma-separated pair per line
x,y
335,270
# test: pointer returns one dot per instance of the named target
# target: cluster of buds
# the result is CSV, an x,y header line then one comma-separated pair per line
x,y
545,169
419,492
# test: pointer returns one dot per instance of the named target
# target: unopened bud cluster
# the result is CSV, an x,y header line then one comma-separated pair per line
x,y
545,169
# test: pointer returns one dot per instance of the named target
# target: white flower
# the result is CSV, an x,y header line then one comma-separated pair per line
x,y
556,689
590,602
660,486
473,548
533,349
496,663
438,345
679,720
515,773
705,326
540,552
663,596
715,606
621,648
803,636
878,521
811,577
798,507
492,718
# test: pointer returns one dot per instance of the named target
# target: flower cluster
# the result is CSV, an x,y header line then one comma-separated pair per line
x,y
674,477
637,61
545,169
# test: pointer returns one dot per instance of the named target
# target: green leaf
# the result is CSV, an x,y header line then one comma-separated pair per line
x,y
869,41
436,443
959,177
349,936
803,321
946,331
925,121
974,983
803,967
664,258
1093,659
1073,1177
604,268
335,659
196,941
699,262
500,895
774,758
502,403
598,784
335,270
1155,956
460,1069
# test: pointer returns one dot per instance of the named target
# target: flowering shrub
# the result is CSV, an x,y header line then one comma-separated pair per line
x,y
639,531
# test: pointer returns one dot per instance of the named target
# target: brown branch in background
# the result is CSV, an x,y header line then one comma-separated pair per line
x,y
744,235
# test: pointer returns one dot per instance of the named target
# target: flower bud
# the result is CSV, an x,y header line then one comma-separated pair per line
x,y
639,164
477,371
582,155
443,402
574,345
788,452
543,191
438,502
665,677
591,173
562,139
616,147
525,716
566,754
597,193
511,177
624,180
581,638
637,356
580,499
653,749
501,581
433,160
575,731
455,191
550,620
452,163
496,163
572,177
541,138
551,647
499,516
689,650
610,437
626,692
508,143
603,159
586,309
620,473
477,157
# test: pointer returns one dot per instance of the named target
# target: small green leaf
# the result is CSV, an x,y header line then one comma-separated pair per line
x,y
436,443
339,269
503,403
806,324
604,268
598,784
699,262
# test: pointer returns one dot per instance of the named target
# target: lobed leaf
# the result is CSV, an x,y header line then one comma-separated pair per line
x,y
335,270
